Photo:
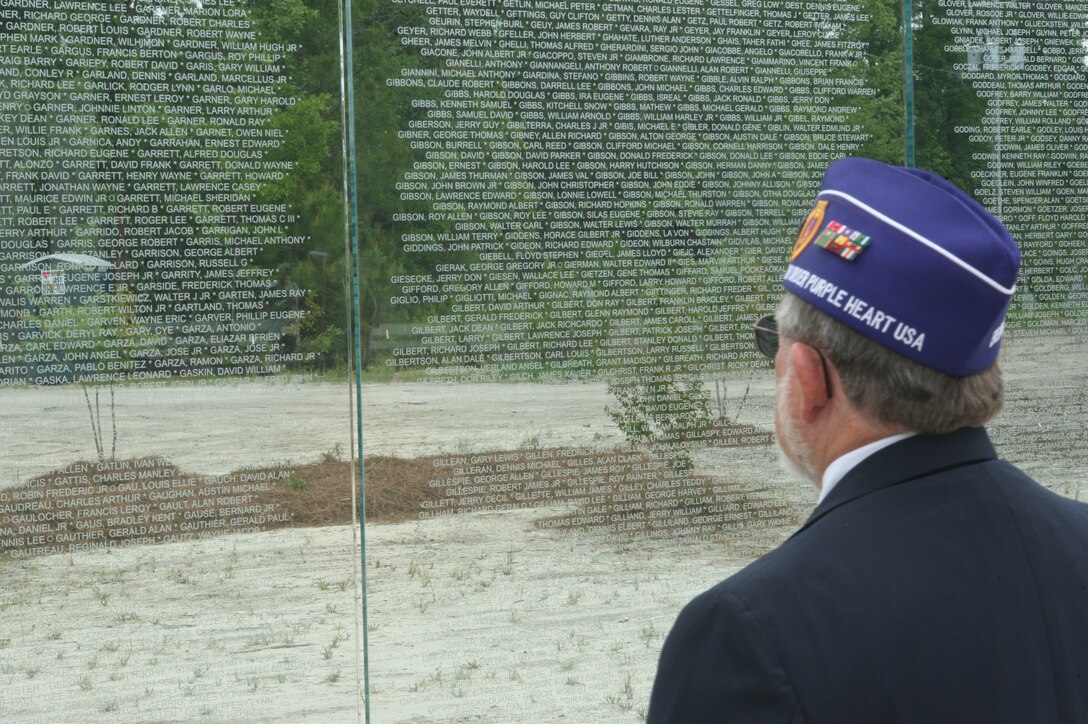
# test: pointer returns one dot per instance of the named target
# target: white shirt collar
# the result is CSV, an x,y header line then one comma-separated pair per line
x,y
845,463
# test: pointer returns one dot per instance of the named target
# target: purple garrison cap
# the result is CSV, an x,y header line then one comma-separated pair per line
x,y
909,260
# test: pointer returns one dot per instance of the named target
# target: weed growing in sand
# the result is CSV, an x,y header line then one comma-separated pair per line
x,y
111,707
259,641
85,683
338,638
178,577
624,701
335,455
333,677
168,644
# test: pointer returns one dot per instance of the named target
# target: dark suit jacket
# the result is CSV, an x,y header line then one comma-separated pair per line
x,y
934,584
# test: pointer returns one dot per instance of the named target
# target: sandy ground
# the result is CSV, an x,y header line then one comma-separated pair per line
x,y
213,429
481,617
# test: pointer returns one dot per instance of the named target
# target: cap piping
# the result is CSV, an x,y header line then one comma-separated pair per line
x,y
1008,291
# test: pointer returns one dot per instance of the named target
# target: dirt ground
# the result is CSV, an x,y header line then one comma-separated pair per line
x,y
481,616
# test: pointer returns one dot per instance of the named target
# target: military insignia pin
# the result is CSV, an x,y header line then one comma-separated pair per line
x,y
808,229
842,241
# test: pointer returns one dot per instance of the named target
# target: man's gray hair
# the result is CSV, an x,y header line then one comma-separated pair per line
x,y
887,387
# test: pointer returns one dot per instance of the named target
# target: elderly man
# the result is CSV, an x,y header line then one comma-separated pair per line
x,y
933,582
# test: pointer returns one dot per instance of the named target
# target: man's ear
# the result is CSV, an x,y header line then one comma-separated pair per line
x,y
811,383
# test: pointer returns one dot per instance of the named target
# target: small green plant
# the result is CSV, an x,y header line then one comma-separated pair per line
x,y
333,677
661,409
625,699
297,483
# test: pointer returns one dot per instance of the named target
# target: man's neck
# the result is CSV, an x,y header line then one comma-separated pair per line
x,y
845,431
846,462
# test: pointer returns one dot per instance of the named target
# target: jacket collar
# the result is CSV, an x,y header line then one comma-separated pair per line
x,y
906,460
